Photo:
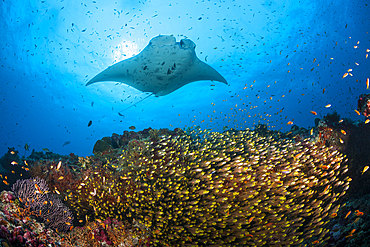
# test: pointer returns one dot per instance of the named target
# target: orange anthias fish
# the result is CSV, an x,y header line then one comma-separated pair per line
x,y
313,112
38,189
347,214
132,127
333,215
351,233
358,213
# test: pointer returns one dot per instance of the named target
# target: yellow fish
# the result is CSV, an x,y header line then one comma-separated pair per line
x,y
365,169
59,164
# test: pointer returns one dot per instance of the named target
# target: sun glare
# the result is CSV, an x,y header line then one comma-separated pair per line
x,y
124,50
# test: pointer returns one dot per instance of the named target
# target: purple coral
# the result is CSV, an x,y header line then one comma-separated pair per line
x,y
34,193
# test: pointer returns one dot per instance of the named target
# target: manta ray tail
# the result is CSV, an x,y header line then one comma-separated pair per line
x,y
119,113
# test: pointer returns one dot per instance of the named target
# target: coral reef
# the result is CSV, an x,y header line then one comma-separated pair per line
x,y
109,232
351,227
45,154
235,188
195,187
12,168
34,194
117,141
19,228
353,139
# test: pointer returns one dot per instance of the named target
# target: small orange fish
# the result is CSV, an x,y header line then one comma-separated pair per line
x,y
351,233
328,105
367,83
313,112
333,215
132,127
12,152
290,123
5,182
251,218
345,75
38,189
358,213
343,132
315,242
347,214
60,178
358,113
14,163
67,223
367,121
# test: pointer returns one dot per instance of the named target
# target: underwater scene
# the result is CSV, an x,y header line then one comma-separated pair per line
x,y
184,123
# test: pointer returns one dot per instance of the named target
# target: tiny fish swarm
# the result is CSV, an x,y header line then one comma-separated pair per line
x,y
232,188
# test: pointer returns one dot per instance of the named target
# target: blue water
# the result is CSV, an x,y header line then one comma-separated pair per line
x,y
278,58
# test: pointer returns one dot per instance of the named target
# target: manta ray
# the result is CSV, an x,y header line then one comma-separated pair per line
x,y
162,67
